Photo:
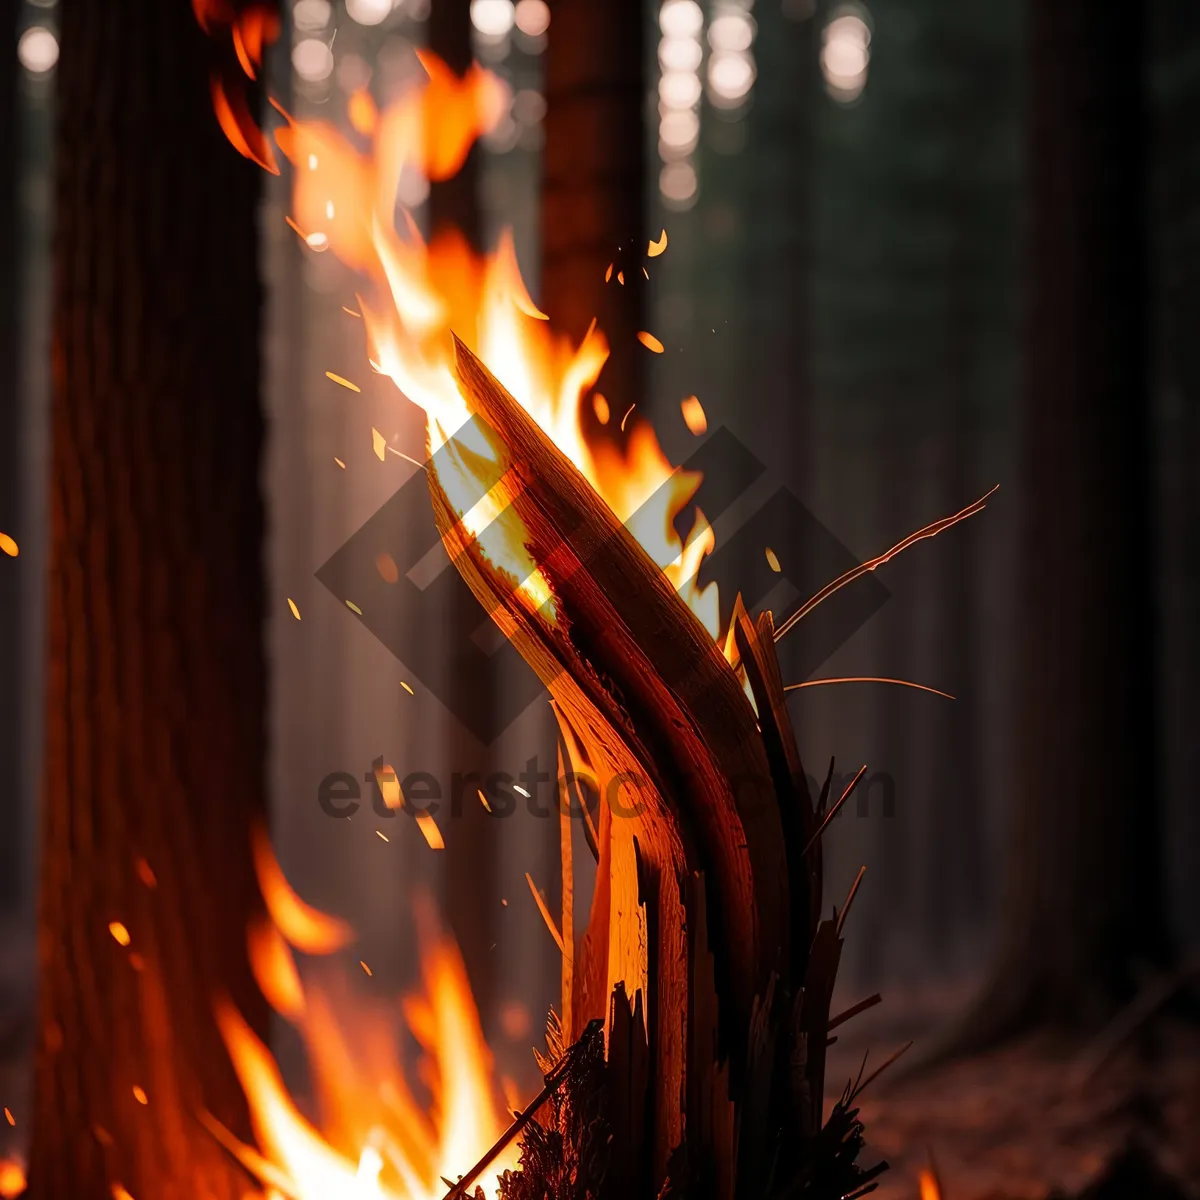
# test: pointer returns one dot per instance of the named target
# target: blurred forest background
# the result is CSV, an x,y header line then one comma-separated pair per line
x,y
846,189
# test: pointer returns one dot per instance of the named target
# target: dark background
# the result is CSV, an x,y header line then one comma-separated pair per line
x,y
851,287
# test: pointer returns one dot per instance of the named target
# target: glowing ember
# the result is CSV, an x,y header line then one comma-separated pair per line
x,y
343,382
119,932
654,249
693,415
389,787
12,1178
432,834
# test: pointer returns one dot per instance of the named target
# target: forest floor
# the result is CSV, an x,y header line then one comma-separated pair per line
x,y
1023,1122
1034,1118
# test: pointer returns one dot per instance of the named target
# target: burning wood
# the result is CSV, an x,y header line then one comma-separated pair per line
x,y
703,952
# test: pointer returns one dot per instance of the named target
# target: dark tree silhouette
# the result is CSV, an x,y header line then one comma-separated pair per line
x,y
156,676
1083,918
11,819
593,182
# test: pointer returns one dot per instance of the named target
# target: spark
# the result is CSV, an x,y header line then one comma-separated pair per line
x,y
773,561
8,545
365,967
433,835
339,462
693,414
292,606
389,787
654,249
381,836
119,933
145,874
338,379
353,312
406,687
601,409
518,788
928,531
9,1117
621,278
626,416
483,800
299,232
921,687
353,607
407,458
385,564
379,444
650,341
139,1094
608,273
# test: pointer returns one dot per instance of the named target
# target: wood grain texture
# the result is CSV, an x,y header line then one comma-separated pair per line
x,y
639,684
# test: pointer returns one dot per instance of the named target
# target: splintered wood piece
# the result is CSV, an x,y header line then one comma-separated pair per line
x,y
755,646
813,1022
568,897
710,1111
643,684
629,1076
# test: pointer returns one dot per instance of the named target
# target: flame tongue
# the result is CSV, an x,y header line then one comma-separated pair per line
x,y
415,294
376,1136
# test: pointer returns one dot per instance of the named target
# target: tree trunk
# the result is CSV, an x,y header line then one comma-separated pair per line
x,y
593,184
472,876
12,819
154,754
1083,914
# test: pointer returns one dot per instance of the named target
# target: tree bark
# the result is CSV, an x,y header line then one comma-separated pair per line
x,y
593,184
155,724
12,819
1084,914
472,847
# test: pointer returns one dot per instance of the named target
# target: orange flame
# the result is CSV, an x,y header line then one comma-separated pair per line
x,y
377,1138
301,925
414,294
929,1185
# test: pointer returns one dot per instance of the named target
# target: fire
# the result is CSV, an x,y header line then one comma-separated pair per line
x,y
374,1137
929,1185
371,1135
414,294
